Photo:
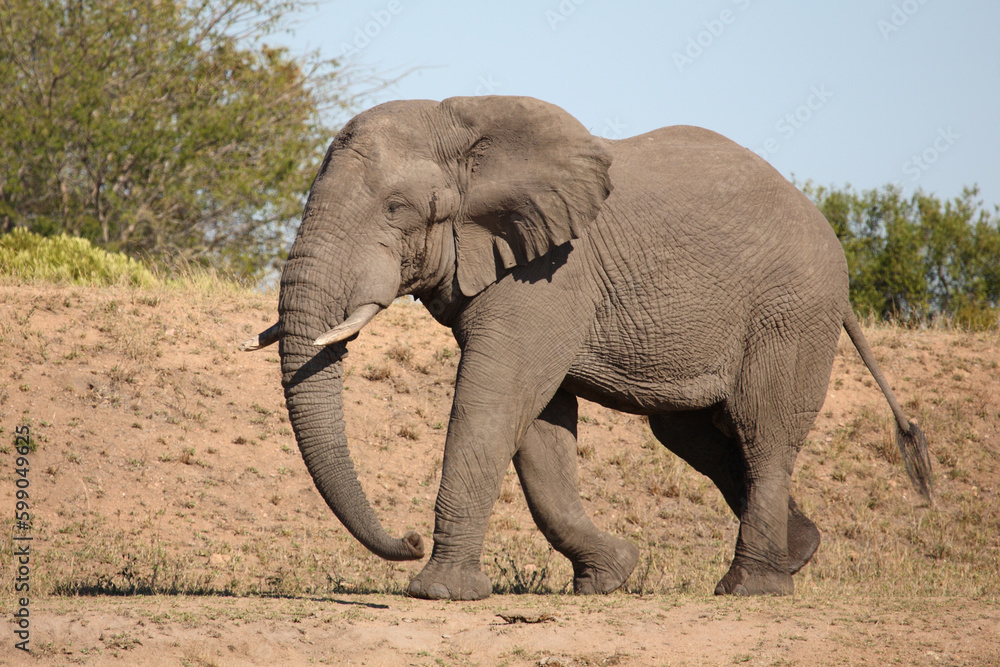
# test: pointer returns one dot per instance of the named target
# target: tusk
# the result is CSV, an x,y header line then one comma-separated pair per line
x,y
266,337
352,325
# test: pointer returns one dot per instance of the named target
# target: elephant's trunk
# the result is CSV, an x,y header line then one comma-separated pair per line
x,y
312,378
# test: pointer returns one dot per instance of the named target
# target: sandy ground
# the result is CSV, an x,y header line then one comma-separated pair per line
x,y
162,449
513,630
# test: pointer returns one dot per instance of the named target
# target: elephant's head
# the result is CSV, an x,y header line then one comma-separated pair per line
x,y
433,199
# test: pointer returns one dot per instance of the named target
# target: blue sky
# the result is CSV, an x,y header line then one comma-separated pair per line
x,y
865,92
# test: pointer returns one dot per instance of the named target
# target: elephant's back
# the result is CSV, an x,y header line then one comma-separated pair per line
x,y
699,171
700,244
695,194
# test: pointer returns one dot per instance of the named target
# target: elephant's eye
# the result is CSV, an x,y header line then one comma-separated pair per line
x,y
393,207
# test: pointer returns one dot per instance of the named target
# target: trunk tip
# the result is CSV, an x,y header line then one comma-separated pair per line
x,y
415,544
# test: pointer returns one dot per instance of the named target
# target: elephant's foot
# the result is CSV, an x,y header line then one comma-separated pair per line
x,y
606,567
447,581
803,538
747,578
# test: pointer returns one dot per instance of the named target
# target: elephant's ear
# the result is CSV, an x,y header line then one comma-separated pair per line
x,y
532,178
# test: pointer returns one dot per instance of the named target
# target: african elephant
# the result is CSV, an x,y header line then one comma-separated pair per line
x,y
673,274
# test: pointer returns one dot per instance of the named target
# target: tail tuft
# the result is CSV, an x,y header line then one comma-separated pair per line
x,y
913,447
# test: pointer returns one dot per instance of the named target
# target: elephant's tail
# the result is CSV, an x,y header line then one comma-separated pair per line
x,y
909,437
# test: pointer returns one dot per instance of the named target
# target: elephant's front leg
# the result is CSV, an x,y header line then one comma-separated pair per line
x,y
477,452
546,466
519,339
493,406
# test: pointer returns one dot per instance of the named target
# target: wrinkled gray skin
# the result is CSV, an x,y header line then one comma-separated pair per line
x,y
674,274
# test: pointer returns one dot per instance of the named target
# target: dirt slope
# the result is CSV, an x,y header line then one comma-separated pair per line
x,y
166,475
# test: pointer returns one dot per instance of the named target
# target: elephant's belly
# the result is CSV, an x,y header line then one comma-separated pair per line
x,y
614,389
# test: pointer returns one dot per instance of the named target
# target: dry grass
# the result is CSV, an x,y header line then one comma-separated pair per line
x,y
168,465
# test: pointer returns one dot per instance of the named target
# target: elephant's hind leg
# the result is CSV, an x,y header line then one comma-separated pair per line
x,y
546,465
781,387
695,437
803,537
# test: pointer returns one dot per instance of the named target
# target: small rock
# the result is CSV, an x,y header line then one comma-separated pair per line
x,y
526,617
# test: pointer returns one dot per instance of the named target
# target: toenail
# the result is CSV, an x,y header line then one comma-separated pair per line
x,y
438,592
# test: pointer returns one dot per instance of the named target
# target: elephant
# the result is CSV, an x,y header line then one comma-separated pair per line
x,y
674,274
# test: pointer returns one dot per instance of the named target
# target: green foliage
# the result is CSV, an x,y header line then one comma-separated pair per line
x,y
912,259
29,256
162,128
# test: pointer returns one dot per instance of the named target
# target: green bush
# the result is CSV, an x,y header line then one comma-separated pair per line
x,y
918,258
29,256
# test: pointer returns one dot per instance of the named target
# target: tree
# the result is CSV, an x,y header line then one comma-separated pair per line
x,y
909,259
163,128
963,257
